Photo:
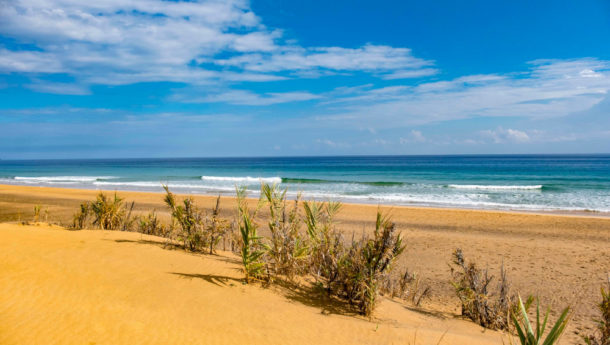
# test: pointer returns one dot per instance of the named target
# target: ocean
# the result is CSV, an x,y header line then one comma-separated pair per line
x,y
506,182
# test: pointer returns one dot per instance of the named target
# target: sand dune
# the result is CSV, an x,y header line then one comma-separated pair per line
x,y
102,287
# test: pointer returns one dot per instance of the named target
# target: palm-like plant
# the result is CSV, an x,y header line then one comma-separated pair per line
x,y
252,249
530,336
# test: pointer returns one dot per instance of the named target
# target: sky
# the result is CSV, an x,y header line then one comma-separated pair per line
x,y
160,78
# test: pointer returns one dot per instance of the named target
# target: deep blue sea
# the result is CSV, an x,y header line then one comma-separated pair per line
x,y
512,182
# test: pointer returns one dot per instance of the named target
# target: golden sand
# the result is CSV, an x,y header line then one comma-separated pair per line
x,y
564,259
103,287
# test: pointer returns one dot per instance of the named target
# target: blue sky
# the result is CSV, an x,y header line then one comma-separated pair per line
x,y
151,78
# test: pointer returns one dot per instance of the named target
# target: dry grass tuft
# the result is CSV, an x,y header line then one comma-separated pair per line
x,y
481,305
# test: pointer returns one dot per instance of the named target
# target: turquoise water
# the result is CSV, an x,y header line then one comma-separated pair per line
x,y
524,182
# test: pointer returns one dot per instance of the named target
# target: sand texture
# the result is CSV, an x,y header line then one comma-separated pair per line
x,y
103,287
564,259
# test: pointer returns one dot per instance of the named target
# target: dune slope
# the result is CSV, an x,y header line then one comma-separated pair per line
x,y
102,287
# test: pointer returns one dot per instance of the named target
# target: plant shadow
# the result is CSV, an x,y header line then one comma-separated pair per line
x,y
160,244
210,278
313,296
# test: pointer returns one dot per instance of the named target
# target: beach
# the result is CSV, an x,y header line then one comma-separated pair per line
x,y
563,259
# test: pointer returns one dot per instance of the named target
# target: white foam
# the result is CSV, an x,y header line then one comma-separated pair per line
x,y
54,179
245,179
155,185
494,187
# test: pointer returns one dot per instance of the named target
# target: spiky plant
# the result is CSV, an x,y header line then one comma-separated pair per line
x,y
189,218
252,249
603,325
287,249
80,218
109,212
528,335
376,257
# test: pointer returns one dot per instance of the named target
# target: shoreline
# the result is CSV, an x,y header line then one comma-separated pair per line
x,y
562,213
563,259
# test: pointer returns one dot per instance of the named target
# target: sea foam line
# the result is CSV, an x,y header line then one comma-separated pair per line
x,y
61,178
494,187
246,179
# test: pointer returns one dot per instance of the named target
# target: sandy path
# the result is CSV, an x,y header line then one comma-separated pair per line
x,y
102,287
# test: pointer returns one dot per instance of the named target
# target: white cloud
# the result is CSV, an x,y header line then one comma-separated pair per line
x,y
367,58
244,97
501,135
550,89
58,88
120,42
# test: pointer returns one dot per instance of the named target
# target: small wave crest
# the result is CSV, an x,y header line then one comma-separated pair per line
x,y
245,179
318,181
42,179
495,187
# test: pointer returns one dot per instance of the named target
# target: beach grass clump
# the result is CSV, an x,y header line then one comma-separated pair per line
x,y
472,286
252,248
602,335
529,334
108,212
81,217
326,245
189,219
215,227
407,286
151,225
367,264
288,250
